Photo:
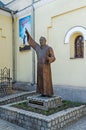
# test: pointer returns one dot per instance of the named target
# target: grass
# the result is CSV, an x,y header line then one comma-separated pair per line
x,y
65,105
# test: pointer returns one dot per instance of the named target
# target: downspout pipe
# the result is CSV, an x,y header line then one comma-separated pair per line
x,y
33,35
13,48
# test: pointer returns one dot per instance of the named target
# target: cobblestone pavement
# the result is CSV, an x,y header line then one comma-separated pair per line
x,y
5,125
78,125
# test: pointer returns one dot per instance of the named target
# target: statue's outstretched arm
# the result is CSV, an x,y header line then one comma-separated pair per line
x,y
30,40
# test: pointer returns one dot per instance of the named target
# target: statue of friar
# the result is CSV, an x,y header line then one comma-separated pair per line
x,y
45,56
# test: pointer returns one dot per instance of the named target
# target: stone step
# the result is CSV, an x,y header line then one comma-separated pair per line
x,y
5,91
15,97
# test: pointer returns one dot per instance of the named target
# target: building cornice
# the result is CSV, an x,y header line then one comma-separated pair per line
x,y
5,13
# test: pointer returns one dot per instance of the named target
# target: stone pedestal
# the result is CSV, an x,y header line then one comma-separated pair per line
x,y
45,103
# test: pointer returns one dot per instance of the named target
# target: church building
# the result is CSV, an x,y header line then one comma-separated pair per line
x,y
63,23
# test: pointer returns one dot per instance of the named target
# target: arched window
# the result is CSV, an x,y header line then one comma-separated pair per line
x,y
76,38
77,29
79,47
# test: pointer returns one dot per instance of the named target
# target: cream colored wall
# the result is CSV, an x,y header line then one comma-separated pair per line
x,y
53,20
23,59
5,41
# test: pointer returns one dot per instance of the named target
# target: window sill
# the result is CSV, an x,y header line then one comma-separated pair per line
x,y
76,58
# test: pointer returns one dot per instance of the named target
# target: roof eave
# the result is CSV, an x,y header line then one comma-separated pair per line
x,y
7,9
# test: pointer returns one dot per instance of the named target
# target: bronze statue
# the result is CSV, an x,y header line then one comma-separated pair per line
x,y
45,56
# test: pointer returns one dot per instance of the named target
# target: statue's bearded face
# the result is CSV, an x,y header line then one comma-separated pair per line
x,y
42,41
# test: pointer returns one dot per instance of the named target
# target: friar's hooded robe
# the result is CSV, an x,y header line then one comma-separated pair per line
x,y
44,79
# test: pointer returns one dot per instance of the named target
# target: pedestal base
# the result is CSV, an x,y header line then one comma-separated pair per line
x,y
45,103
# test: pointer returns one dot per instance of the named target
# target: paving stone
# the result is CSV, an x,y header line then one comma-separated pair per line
x,y
5,125
78,125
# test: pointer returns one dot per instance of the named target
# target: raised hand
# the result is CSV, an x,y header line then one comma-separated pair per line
x,y
27,33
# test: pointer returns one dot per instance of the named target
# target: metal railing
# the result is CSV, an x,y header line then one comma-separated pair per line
x,y
5,80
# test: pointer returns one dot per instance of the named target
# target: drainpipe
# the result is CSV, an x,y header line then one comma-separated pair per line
x,y
13,49
33,35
